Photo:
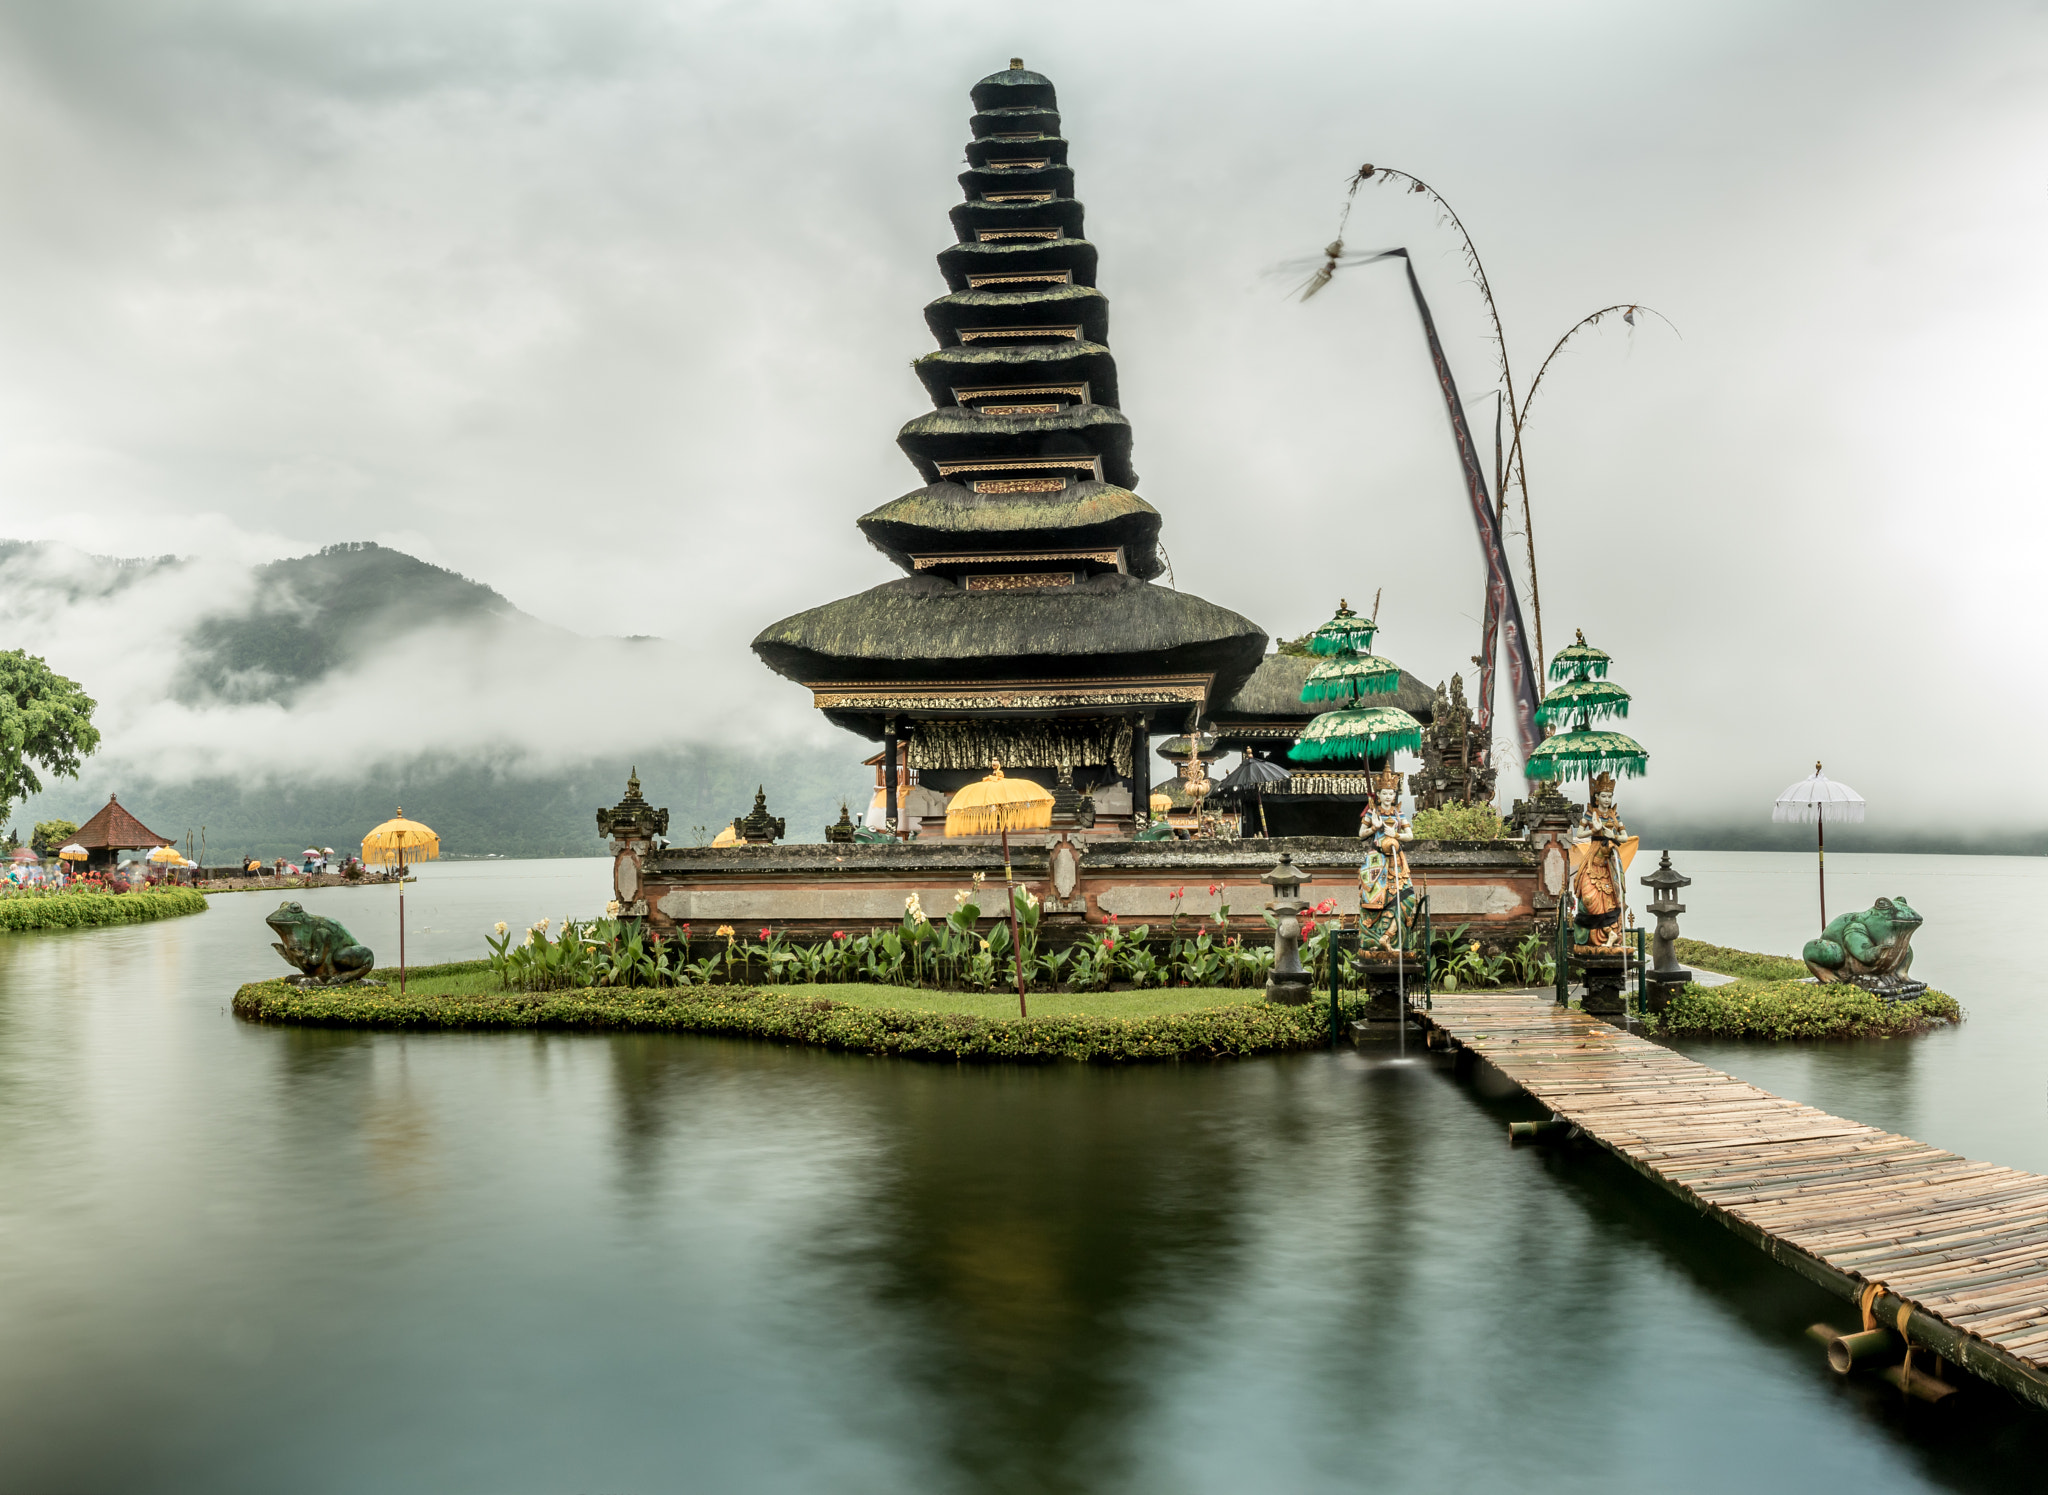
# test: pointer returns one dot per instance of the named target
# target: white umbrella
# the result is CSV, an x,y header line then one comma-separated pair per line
x,y
1815,801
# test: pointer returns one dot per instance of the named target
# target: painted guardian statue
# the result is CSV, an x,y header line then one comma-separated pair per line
x,y
322,949
1872,949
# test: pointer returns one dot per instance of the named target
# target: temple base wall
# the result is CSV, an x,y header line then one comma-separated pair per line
x,y
811,892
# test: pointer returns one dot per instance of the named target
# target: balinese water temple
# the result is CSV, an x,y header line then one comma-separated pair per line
x,y
1031,628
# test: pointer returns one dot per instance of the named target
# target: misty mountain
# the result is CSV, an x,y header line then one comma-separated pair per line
x,y
315,614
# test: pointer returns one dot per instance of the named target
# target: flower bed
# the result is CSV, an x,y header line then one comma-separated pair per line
x,y
87,909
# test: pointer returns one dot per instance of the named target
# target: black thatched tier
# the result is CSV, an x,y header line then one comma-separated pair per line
x,y
1056,178
1274,693
929,628
1017,257
1014,88
947,518
1029,306
997,122
955,434
980,365
1062,213
1051,148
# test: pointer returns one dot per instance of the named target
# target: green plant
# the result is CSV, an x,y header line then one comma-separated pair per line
x,y
80,908
1458,823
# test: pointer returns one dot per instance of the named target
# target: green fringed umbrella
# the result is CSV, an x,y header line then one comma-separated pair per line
x,y
1579,660
1584,699
1585,754
1350,676
1364,733
1347,633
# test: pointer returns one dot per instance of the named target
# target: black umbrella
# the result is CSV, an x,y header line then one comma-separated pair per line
x,y
1254,774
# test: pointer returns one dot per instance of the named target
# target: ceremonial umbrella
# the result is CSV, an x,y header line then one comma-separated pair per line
x,y
395,842
23,854
165,854
1366,732
1254,774
73,852
1817,799
1583,697
1002,805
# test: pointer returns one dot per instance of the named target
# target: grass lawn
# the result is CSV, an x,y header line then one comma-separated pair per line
x,y
473,978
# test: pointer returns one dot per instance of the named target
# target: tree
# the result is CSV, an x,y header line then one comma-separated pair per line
x,y
51,835
45,722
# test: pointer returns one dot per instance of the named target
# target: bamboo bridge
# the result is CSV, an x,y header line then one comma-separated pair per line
x,y
1946,1254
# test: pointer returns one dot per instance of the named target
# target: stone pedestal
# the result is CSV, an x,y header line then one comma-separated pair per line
x,y
1602,977
1384,983
1287,981
1659,987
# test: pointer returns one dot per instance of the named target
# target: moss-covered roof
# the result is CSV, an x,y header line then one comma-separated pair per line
x,y
1022,306
1006,256
1046,147
1013,88
1019,363
950,517
1054,177
926,626
1044,119
1274,690
953,433
1062,213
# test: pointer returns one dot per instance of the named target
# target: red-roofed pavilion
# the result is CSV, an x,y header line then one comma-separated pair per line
x,y
112,831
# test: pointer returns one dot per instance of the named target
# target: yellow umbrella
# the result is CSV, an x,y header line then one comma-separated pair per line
x,y
74,853
1003,805
726,837
399,841
1160,804
165,854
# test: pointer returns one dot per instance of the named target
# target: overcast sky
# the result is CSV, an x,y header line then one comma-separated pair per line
x,y
611,304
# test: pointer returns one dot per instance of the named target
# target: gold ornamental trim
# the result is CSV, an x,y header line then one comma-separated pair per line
x,y
1077,392
1050,408
993,235
1021,135
979,334
1010,695
1022,277
1019,163
1090,465
1031,197
1107,557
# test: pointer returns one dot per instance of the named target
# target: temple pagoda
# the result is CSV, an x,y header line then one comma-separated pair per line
x,y
1029,628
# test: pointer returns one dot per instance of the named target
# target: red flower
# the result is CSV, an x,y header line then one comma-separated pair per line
x,y
764,934
1215,888
1326,906
838,934
1308,926
1178,892
1110,917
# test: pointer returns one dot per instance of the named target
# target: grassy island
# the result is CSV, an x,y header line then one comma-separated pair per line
x,y
54,909
1100,1027
1772,997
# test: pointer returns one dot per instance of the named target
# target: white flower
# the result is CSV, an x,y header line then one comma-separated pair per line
x,y
611,910
961,897
500,930
542,926
978,878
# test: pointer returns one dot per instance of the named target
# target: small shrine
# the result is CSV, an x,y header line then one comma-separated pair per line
x,y
111,831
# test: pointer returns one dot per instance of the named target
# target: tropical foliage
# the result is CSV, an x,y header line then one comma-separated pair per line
x,y
87,907
1458,823
45,722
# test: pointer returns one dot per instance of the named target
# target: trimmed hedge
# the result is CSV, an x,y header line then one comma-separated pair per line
x,y
1744,963
93,910
1799,1009
783,1015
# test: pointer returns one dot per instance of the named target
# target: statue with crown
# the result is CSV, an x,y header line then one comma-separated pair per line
x,y
1601,846
1387,902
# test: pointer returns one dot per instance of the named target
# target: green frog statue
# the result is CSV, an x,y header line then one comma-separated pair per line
x,y
1873,950
324,952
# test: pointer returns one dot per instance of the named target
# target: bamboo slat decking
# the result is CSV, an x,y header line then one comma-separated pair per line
x,y
1956,1250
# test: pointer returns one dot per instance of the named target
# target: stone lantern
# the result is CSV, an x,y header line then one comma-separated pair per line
x,y
1665,973
1288,982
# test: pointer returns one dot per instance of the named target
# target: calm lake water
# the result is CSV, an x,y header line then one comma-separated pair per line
x,y
244,1259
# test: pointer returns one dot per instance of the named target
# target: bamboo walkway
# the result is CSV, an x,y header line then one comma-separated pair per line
x,y
1951,1253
